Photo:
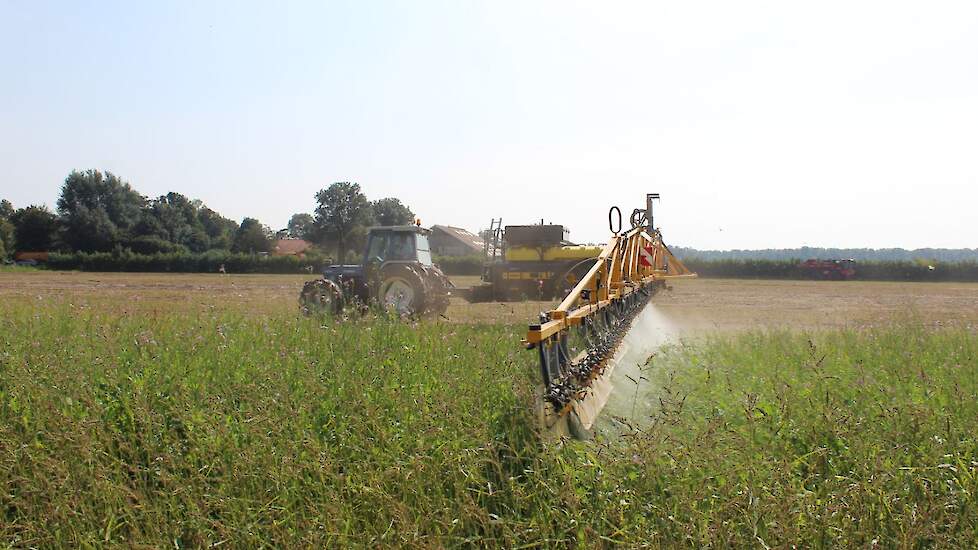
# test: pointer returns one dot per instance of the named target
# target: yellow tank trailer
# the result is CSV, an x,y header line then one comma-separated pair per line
x,y
531,262
552,254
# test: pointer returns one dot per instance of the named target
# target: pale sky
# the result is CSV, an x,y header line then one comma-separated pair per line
x,y
774,124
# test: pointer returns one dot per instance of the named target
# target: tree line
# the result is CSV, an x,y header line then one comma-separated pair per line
x,y
97,212
917,270
952,255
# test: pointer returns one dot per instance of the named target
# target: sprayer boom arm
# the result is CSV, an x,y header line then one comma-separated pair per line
x,y
633,266
616,274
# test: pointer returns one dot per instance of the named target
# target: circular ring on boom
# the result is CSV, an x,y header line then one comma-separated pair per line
x,y
611,223
638,217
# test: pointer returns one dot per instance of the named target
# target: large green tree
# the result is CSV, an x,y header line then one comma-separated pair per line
x,y
391,211
90,230
35,228
252,237
6,209
174,217
342,210
220,230
98,210
301,226
6,228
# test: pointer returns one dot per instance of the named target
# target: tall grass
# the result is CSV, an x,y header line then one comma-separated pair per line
x,y
195,430
6,268
280,431
839,439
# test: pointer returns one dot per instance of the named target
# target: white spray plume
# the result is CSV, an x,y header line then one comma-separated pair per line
x,y
633,398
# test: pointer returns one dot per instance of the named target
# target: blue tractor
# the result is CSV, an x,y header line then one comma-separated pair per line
x,y
396,273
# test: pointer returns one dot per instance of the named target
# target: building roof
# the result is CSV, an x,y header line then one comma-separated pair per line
x,y
462,236
290,247
22,255
414,228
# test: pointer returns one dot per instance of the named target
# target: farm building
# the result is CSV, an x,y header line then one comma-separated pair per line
x,y
291,247
446,240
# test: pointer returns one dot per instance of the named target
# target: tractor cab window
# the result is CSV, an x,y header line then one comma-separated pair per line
x,y
375,250
424,253
400,247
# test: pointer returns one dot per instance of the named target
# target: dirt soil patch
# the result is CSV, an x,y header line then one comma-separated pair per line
x,y
696,306
724,304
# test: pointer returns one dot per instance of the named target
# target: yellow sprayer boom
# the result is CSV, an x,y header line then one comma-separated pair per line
x,y
595,317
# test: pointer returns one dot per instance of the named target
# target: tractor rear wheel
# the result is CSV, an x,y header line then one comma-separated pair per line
x,y
402,291
414,290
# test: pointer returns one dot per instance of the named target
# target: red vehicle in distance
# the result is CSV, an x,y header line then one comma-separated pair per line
x,y
829,270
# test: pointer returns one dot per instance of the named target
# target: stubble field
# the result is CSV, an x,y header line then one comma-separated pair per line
x,y
201,410
694,306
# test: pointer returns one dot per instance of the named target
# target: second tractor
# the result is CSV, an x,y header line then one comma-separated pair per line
x,y
397,272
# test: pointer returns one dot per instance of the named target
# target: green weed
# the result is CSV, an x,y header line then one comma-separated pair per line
x,y
194,430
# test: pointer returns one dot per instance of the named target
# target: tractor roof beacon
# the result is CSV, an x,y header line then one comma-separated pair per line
x,y
397,273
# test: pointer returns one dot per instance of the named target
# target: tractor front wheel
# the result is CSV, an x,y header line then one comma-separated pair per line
x,y
321,296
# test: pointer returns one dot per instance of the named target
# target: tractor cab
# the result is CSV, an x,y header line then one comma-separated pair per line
x,y
401,243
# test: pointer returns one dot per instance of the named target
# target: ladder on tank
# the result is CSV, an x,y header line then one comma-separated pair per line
x,y
492,240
